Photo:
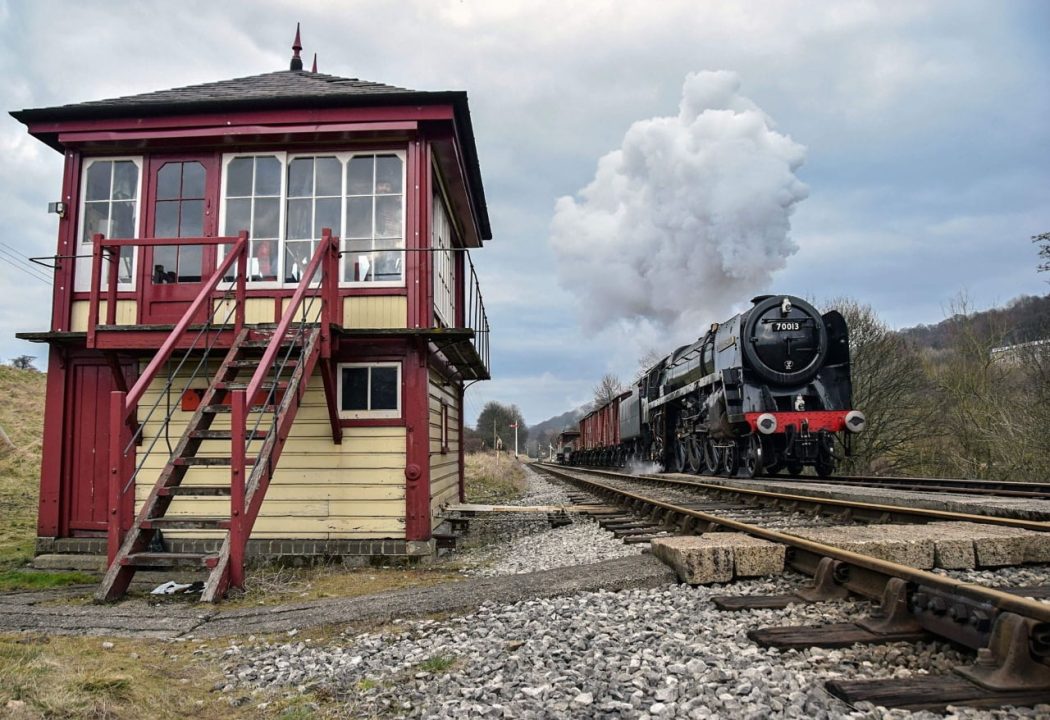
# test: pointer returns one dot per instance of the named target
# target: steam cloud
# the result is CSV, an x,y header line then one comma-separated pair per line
x,y
687,219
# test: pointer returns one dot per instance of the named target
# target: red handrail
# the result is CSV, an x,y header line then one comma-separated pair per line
x,y
239,252
326,246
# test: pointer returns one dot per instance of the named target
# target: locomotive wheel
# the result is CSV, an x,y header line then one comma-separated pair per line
x,y
825,464
712,457
694,455
794,468
751,464
730,460
676,457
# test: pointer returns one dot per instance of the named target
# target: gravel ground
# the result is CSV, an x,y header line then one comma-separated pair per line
x,y
530,544
635,654
659,653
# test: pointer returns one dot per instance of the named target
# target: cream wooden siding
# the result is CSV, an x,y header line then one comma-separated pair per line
x,y
127,314
256,311
320,490
371,312
444,467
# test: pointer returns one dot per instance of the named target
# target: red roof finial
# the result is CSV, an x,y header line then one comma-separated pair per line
x,y
297,46
314,68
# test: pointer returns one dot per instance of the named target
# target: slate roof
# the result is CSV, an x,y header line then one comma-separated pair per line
x,y
271,90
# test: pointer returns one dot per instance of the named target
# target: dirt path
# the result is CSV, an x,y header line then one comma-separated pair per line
x,y
39,612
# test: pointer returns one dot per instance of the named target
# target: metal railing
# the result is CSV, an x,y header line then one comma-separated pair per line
x,y
474,316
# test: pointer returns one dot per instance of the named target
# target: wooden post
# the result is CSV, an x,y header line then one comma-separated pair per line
x,y
96,281
240,297
111,291
238,423
116,472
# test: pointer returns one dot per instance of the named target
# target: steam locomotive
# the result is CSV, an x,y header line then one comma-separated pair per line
x,y
764,391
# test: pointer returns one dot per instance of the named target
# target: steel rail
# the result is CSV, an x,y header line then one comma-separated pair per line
x,y
995,488
1003,601
875,508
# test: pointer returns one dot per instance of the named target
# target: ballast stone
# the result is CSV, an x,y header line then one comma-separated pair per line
x,y
719,557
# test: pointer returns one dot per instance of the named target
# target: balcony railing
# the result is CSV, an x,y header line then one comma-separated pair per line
x,y
475,317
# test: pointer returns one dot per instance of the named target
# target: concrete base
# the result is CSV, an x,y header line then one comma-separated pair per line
x,y
948,545
719,557
81,563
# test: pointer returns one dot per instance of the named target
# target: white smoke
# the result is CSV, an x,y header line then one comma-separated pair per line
x,y
687,219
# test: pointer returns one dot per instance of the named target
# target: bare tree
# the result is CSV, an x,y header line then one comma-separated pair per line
x,y
1043,241
607,388
649,358
24,362
890,388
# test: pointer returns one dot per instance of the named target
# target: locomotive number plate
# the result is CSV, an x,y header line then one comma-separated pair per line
x,y
786,326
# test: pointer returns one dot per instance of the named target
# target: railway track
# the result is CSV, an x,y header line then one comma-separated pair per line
x,y
1009,631
994,488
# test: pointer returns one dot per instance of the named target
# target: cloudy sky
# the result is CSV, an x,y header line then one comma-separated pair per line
x,y
894,152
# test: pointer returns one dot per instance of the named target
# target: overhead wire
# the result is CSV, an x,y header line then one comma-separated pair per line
x,y
24,260
27,272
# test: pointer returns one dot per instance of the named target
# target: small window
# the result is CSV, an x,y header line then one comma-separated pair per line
x,y
110,205
370,390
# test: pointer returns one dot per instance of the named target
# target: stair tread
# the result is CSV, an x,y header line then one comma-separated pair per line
x,y
209,461
226,408
198,490
225,435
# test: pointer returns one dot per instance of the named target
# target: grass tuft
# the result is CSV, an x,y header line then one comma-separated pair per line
x,y
37,580
437,664
22,419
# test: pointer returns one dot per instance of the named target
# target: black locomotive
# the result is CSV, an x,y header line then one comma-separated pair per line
x,y
764,391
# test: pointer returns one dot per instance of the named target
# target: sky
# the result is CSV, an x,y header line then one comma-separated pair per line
x,y
648,166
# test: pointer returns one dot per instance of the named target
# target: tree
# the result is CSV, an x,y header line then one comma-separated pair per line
x,y
1043,241
24,362
889,387
607,388
501,418
649,358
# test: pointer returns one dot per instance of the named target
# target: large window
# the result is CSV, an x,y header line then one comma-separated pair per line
x,y
285,202
110,205
444,266
253,203
370,390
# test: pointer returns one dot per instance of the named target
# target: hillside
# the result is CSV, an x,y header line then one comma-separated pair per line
x,y
552,426
1022,319
22,418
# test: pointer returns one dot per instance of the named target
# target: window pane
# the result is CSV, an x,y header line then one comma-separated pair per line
x,y
169,180
126,263
388,174
122,220
384,388
388,216
355,389
98,177
296,258
329,176
239,177
192,221
266,219
164,261
193,180
359,176
267,176
96,219
299,219
358,261
359,217
301,177
190,260
326,215
166,221
125,180
262,265
238,216
387,264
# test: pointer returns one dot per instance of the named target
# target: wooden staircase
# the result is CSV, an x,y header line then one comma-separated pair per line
x,y
260,424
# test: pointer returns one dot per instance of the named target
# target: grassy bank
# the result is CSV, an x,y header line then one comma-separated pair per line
x,y
493,480
22,418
